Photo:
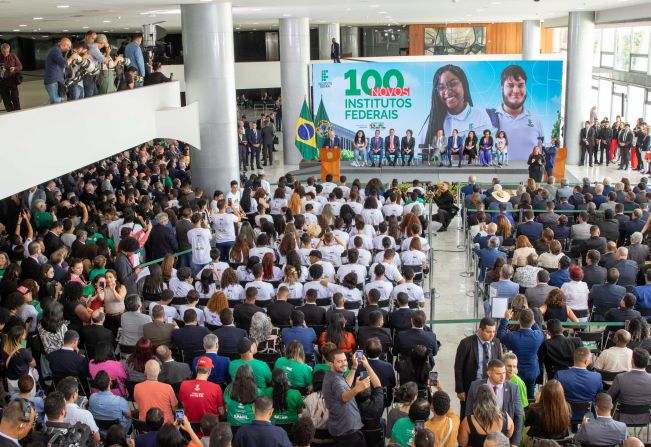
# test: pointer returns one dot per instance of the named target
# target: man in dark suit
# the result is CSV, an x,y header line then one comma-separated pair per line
x,y
384,370
417,335
243,145
400,319
30,268
314,315
625,311
455,147
473,356
602,430
557,352
624,141
267,142
189,338
588,135
228,335
375,329
609,226
632,388
606,296
96,334
162,240
254,137
533,230
627,269
372,298
171,371
594,242
31,196
52,240
376,149
638,251
507,393
593,273
635,224
407,146
280,310
349,315
335,51
579,384
392,147
332,141
244,312
67,361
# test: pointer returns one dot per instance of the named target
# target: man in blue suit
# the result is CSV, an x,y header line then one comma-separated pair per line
x,y
332,140
254,136
392,147
133,52
468,189
488,256
533,230
455,147
375,149
579,384
606,296
635,224
524,343
491,229
602,430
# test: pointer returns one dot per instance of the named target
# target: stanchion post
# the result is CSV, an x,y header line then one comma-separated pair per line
x,y
432,306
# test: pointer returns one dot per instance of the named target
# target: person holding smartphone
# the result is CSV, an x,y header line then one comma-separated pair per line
x,y
370,403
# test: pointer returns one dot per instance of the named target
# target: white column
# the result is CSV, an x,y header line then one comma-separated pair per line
x,y
294,36
556,46
209,66
326,33
530,39
350,40
578,79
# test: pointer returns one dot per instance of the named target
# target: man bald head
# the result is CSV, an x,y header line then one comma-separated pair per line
x,y
491,228
152,369
622,253
632,441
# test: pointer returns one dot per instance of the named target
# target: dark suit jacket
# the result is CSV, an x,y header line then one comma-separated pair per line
x,y
459,144
633,225
396,144
279,312
348,315
332,143
268,134
466,362
627,272
594,274
608,260
161,241
633,388
95,334
243,313
52,243
254,136
314,315
335,50
174,372
363,315
621,314
511,404
400,319
189,339
229,337
407,144
557,353
30,269
64,363
407,339
609,229
382,333
604,297
533,230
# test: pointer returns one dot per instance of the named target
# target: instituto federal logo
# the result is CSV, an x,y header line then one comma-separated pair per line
x,y
324,79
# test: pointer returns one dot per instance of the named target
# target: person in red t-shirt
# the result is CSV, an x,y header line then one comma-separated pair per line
x,y
199,396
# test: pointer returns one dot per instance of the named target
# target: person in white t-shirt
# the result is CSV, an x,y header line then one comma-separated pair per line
x,y
309,215
331,248
392,208
278,202
413,291
391,272
233,197
166,298
216,266
352,266
199,239
348,289
379,283
378,241
415,255
223,225
294,287
316,273
262,247
265,290
354,202
328,185
328,268
309,199
181,284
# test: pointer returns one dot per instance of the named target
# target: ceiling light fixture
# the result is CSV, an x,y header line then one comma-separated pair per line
x,y
106,21
287,15
63,6
22,26
16,31
38,18
64,30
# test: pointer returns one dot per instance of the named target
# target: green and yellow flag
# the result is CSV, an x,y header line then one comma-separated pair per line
x,y
305,134
322,124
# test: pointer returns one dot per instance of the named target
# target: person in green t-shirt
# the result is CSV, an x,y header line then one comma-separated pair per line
x,y
511,363
287,403
247,348
404,428
239,397
298,373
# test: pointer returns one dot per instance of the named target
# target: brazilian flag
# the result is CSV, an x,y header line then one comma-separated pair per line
x,y
305,139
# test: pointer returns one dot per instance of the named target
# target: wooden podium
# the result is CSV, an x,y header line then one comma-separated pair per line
x,y
330,162
559,163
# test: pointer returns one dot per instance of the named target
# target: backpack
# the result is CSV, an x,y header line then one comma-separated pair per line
x,y
78,435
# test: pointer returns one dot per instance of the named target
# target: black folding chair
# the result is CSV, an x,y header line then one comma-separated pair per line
x,y
635,410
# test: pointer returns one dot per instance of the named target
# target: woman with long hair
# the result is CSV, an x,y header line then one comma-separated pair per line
x,y
315,407
264,334
52,327
16,360
414,256
501,148
486,417
135,363
550,416
485,148
278,202
292,283
452,105
523,249
405,395
167,269
337,334
114,294
231,285
214,306
269,271
293,363
239,253
49,287
288,243
153,284
415,367
505,229
360,144
371,214
536,162
470,146
239,397
104,360
287,402
294,204
556,307
74,309
295,260
206,285
327,217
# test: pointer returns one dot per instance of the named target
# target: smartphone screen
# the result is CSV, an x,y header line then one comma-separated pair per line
x,y
359,354
180,415
434,377
363,375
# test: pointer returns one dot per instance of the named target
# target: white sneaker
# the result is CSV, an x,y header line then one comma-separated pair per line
x,y
354,163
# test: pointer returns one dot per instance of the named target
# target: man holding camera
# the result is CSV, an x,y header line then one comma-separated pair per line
x,y
10,68
55,65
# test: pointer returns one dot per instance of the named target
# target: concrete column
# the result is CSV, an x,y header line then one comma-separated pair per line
x,y
530,39
209,66
578,79
350,40
326,32
556,46
294,34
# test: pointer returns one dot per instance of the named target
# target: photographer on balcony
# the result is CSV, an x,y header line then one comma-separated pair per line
x,y
10,77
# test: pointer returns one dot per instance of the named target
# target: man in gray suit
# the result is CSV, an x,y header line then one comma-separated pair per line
x,y
603,430
536,296
637,251
633,388
508,396
31,196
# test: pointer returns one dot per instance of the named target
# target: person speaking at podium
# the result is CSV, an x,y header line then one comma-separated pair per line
x,y
332,141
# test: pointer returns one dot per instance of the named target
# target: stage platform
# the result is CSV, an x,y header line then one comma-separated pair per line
x,y
516,171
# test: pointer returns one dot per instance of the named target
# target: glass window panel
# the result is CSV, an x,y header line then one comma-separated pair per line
x,y
596,48
605,92
639,63
622,49
617,102
620,89
647,113
608,40
635,106
640,40
648,96
607,60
